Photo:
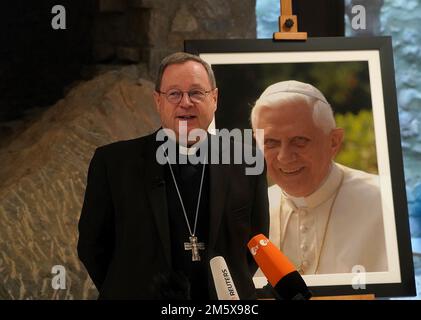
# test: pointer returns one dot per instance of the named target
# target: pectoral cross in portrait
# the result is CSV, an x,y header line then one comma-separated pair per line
x,y
194,246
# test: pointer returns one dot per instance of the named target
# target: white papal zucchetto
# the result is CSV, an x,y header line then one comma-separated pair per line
x,y
274,91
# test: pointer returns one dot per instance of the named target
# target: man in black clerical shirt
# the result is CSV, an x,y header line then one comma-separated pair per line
x,y
145,223
188,177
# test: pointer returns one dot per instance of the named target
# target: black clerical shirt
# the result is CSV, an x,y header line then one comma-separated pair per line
x,y
188,179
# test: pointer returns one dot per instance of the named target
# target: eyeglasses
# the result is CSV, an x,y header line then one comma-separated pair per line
x,y
174,96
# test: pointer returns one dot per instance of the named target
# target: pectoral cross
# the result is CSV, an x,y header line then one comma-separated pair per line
x,y
194,246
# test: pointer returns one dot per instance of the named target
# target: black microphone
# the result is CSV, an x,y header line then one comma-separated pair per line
x,y
287,283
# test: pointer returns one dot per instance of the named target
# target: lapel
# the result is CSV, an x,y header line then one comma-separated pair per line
x,y
155,182
218,188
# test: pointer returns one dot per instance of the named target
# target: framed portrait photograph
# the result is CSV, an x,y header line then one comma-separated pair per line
x,y
358,241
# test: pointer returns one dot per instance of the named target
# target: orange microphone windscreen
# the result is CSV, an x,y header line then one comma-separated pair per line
x,y
273,263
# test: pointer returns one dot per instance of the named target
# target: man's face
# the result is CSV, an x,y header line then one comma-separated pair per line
x,y
187,76
297,152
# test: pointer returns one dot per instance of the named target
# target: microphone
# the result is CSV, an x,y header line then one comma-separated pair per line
x,y
225,288
280,272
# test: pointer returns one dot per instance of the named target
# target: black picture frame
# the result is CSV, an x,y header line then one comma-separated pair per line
x,y
236,51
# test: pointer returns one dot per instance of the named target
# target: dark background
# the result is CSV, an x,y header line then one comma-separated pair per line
x,y
37,63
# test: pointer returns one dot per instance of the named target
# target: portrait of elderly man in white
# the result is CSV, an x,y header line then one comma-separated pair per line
x,y
326,217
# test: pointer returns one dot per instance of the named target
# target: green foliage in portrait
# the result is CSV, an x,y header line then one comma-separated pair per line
x,y
358,149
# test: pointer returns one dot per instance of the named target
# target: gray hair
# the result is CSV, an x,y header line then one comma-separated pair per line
x,y
281,93
180,58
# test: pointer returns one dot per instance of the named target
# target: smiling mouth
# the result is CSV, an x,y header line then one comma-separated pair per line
x,y
291,172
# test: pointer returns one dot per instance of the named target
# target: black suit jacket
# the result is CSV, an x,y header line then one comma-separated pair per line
x,y
124,236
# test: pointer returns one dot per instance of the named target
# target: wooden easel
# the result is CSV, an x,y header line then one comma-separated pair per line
x,y
288,25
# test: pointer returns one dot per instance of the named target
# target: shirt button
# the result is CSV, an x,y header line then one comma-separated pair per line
x,y
303,228
305,264
304,247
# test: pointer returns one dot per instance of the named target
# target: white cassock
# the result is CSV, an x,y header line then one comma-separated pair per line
x,y
337,227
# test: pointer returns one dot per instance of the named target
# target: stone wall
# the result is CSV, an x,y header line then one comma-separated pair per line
x,y
144,31
401,19
43,179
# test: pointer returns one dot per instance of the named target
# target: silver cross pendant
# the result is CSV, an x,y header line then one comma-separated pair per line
x,y
194,246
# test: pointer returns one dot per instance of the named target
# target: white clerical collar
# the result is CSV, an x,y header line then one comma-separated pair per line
x,y
186,150
323,193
